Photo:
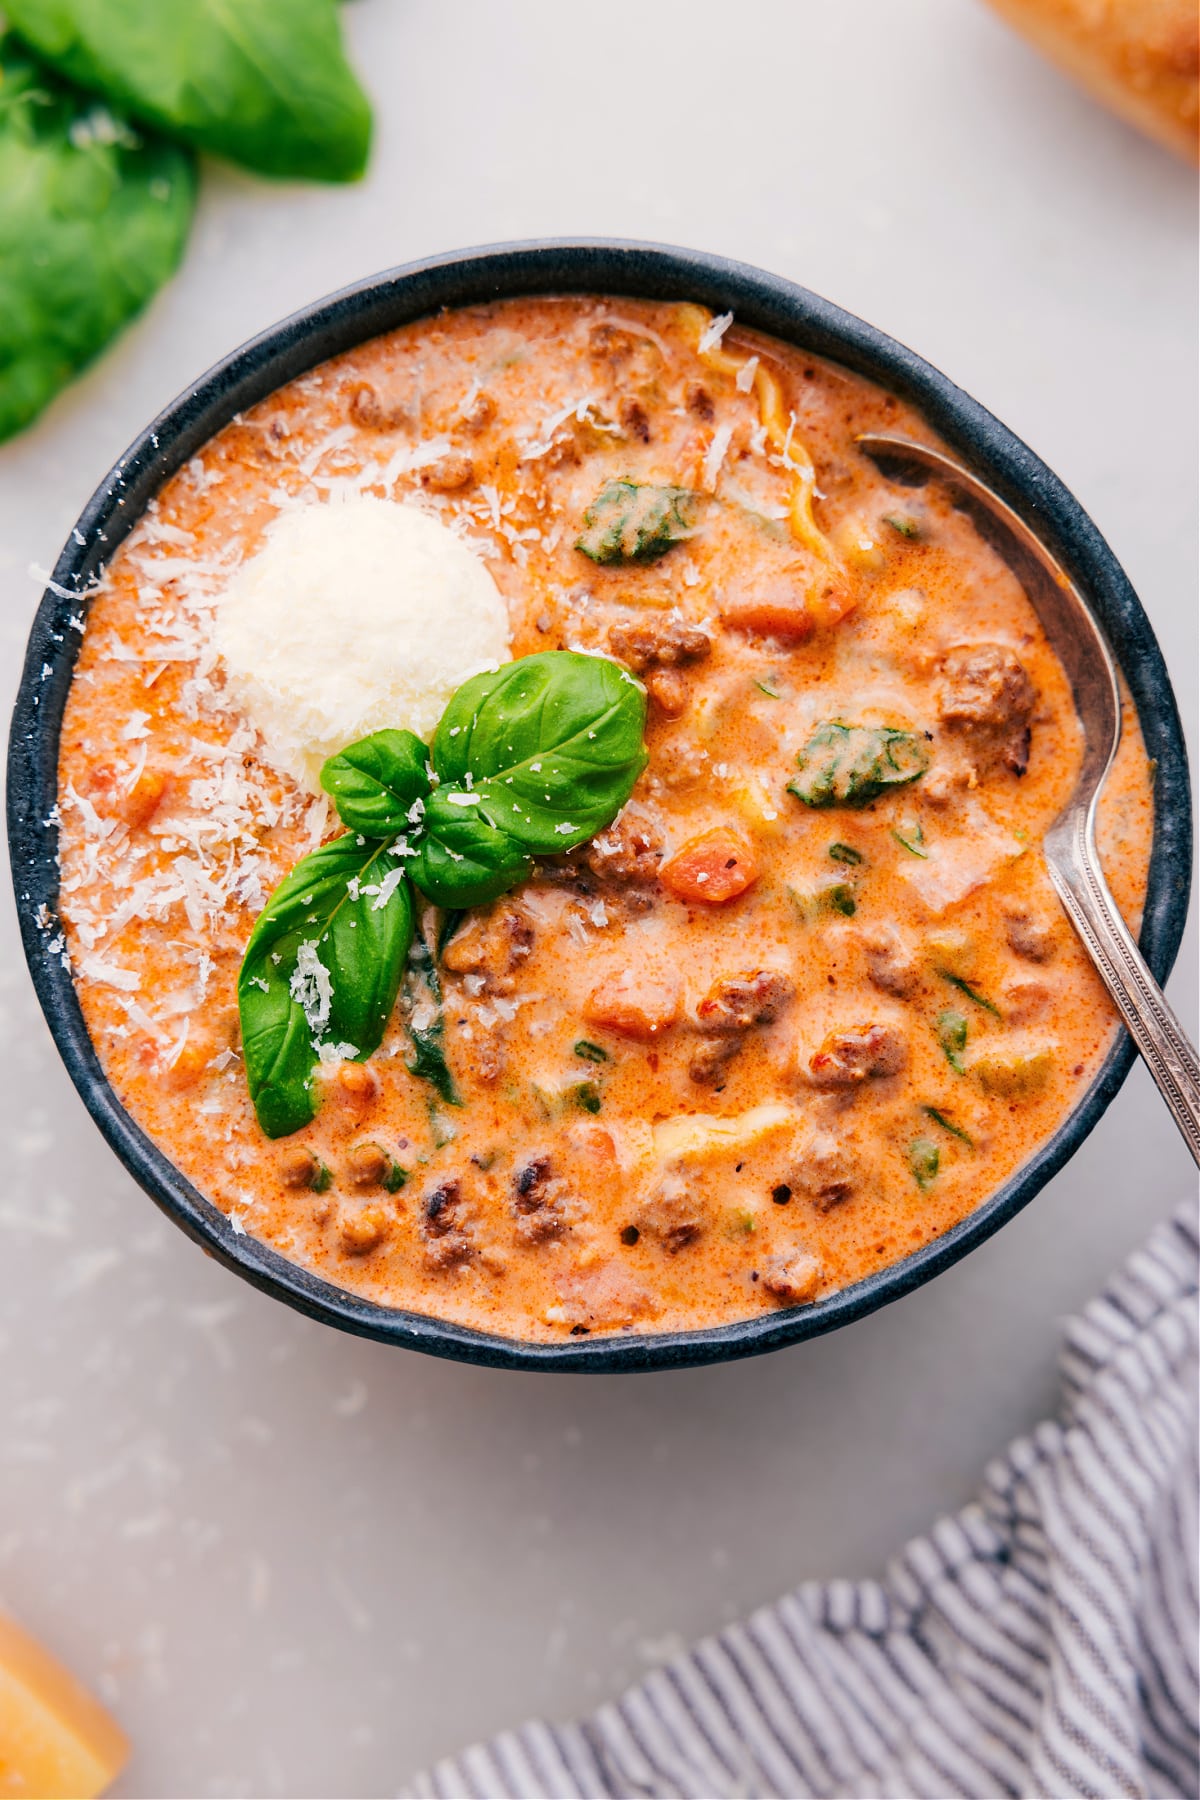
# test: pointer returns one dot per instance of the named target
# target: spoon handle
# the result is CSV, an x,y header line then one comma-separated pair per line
x,y
1074,867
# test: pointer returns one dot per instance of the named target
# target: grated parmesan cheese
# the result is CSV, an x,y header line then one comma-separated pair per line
x,y
356,615
715,455
312,989
713,332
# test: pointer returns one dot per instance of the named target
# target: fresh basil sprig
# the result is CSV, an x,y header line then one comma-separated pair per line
x,y
93,219
531,759
263,82
464,859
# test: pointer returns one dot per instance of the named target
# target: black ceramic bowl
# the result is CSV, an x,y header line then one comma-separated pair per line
x,y
379,305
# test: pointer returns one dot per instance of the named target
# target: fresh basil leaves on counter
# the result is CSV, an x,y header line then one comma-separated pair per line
x,y
94,216
530,759
94,205
262,82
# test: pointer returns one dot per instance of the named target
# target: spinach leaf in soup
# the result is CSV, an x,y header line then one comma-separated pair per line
x,y
531,759
972,993
851,765
947,1124
94,216
631,521
380,783
262,82
425,1021
321,972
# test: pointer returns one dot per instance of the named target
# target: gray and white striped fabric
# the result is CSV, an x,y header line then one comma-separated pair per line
x,y
1041,1643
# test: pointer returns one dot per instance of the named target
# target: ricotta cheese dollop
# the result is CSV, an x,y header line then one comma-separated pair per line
x,y
355,616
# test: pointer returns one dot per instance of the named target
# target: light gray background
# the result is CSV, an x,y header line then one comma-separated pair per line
x,y
299,1564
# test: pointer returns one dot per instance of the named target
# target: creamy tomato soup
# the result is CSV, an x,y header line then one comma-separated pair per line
x,y
803,1001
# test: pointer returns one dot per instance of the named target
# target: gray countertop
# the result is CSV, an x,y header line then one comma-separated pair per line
x,y
299,1564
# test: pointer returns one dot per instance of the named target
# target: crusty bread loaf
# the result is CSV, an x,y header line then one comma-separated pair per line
x,y
1141,57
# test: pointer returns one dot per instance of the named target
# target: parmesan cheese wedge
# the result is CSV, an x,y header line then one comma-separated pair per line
x,y
55,1740
355,616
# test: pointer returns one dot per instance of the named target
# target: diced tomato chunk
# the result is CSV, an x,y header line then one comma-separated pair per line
x,y
772,612
712,868
142,801
789,611
103,784
192,1060
830,602
633,1005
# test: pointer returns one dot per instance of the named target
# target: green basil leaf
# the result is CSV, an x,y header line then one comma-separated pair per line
x,y
851,765
263,82
545,750
632,521
463,860
93,219
377,782
322,968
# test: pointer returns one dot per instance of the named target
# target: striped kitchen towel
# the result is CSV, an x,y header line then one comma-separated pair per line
x,y
1041,1643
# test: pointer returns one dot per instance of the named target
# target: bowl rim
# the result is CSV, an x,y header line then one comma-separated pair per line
x,y
629,269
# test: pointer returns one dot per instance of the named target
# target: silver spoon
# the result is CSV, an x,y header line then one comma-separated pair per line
x,y
1070,843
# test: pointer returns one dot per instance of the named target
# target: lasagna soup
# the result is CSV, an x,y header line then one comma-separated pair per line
x,y
757,985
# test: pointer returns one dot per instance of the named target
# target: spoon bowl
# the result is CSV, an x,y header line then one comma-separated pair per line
x,y
1070,844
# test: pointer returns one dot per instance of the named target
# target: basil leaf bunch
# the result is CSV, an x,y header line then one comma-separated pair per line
x,y
262,82
97,180
530,759
93,219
